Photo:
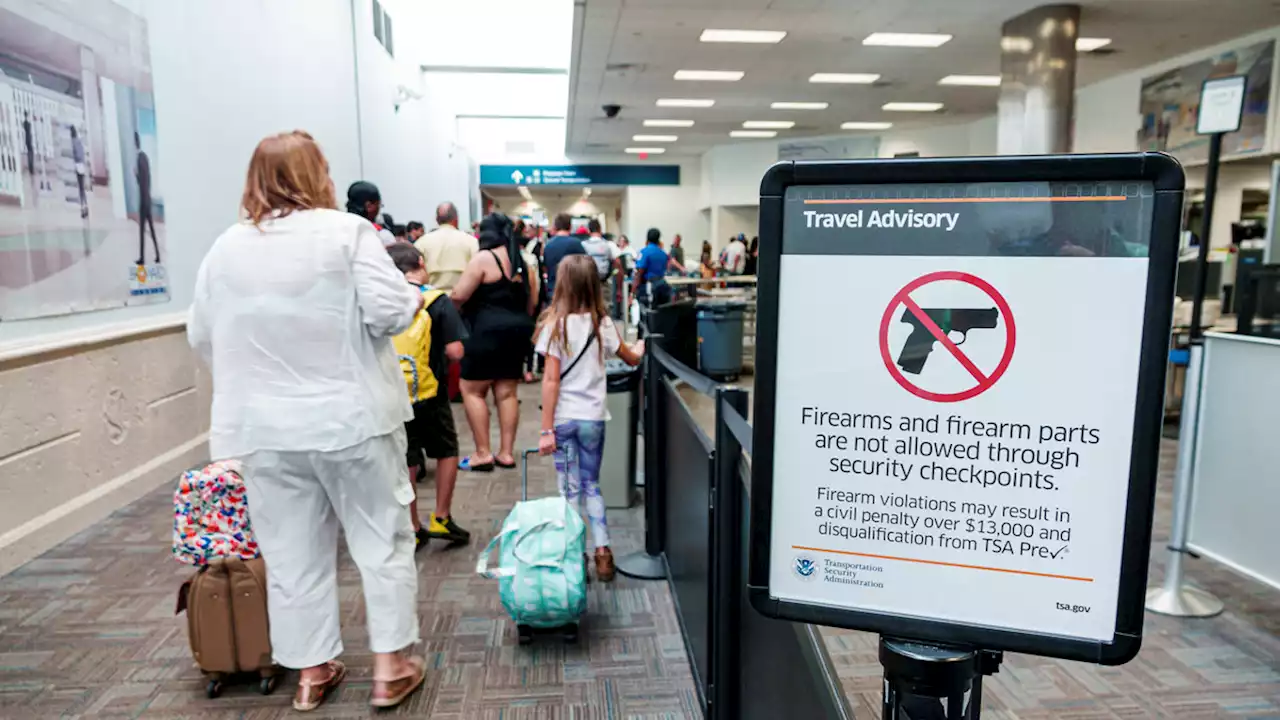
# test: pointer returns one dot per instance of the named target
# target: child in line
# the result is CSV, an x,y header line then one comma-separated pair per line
x,y
576,336
434,338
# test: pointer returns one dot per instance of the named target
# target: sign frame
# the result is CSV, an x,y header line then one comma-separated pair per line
x,y
1167,178
1210,84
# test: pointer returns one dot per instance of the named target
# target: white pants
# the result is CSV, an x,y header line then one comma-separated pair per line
x,y
297,501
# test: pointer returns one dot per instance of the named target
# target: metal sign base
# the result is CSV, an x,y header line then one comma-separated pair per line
x,y
1172,597
642,566
930,682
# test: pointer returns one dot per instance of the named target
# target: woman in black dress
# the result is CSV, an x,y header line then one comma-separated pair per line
x,y
753,257
498,295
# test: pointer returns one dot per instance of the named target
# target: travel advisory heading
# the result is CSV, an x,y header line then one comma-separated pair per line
x,y
882,219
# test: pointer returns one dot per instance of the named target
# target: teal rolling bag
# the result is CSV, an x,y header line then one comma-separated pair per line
x,y
542,570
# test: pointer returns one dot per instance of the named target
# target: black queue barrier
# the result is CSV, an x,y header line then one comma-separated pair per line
x,y
697,509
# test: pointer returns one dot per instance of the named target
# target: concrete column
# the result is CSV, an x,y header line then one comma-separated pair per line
x,y
1038,80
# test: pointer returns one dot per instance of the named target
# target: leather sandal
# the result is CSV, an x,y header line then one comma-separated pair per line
x,y
310,695
390,692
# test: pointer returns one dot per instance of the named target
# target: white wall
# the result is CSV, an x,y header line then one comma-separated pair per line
x,y
671,209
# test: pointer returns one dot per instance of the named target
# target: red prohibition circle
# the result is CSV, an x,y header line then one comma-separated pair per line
x,y
983,384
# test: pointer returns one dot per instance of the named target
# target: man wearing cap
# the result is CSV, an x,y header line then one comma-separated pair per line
x,y
446,249
363,199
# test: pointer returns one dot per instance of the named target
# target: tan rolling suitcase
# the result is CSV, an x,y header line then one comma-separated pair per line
x,y
226,606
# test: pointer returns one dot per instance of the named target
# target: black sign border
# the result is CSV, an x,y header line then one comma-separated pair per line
x,y
1166,175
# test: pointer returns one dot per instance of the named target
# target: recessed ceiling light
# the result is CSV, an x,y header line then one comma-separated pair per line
x,y
1090,44
753,133
743,36
654,138
917,40
646,150
972,80
800,106
710,75
768,124
911,107
668,123
866,126
845,78
685,102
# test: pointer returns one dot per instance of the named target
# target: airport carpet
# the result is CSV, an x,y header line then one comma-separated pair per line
x,y
87,630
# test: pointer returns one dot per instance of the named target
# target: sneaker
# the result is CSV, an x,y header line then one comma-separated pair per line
x,y
604,565
447,529
420,539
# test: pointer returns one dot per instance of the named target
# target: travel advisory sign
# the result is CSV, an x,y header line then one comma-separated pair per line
x,y
954,397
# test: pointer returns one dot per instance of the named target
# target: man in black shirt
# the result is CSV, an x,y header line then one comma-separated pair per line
x,y
561,246
143,173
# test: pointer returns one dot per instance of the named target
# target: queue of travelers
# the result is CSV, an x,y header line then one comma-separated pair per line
x,y
335,349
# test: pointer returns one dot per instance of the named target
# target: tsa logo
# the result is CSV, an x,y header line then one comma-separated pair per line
x,y
806,567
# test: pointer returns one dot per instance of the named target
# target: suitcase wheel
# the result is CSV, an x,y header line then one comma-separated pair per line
x,y
571,634
213,689
267,685
525,633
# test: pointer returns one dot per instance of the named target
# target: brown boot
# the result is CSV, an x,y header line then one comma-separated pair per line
x,y
604,564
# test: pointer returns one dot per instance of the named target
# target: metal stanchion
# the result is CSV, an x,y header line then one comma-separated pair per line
x,y
647,564
1172,597
922,680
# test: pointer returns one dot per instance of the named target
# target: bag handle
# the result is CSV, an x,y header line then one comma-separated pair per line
x,y
515,551
482,563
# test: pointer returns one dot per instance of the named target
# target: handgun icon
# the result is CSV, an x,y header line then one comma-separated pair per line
x,y
920,342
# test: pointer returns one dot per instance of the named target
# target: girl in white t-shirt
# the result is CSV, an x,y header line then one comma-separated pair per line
x,y
576,336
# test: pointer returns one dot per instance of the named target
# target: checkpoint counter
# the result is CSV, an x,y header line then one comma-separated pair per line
x,y
1237,484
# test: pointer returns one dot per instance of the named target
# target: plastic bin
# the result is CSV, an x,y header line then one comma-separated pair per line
x,y
618,464
720,325
677,323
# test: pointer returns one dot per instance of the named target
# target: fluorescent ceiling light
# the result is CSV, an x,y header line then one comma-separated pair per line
x,y
743,36
916,40
524,193
668,123
845,78
911,107
1090,44
972,80
646,150
800,106
768,124
866,126
753,133
710,75
685,102
654,138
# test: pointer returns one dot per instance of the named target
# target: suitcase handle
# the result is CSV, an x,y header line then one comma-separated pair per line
x,y
524,472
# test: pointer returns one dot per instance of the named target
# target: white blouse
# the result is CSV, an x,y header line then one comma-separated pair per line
x,y
295,320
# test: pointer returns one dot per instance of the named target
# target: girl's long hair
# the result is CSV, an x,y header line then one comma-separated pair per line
x,y
578,290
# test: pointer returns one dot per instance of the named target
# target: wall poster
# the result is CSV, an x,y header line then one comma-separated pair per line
x,y
81,203
1169,104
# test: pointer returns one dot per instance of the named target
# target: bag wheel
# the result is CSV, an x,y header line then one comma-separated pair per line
x,y
571,634
525,633
267,685
213,689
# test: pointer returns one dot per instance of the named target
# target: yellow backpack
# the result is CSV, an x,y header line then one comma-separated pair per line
x,y
414,348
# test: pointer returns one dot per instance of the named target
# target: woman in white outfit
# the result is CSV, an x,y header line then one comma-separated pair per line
x,y
294,311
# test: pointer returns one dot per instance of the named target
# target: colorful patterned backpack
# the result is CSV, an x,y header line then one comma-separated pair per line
x,y
211,516
542,572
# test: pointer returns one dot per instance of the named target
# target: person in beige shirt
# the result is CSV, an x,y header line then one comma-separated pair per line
x,y
446,249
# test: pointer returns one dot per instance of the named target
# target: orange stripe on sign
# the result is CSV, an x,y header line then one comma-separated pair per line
x,y
944,564
895,201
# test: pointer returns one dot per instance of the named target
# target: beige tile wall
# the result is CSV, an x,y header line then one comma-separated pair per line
x,y
85,431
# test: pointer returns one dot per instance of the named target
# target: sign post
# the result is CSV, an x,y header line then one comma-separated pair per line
x,y
958,404
1221,110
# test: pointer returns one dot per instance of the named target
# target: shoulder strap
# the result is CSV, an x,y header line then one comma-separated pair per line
x,y
591,337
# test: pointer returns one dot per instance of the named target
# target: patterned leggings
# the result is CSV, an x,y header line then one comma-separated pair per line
x,y
579,447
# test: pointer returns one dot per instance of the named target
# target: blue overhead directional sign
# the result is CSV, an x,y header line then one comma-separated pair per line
x,y
579,174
